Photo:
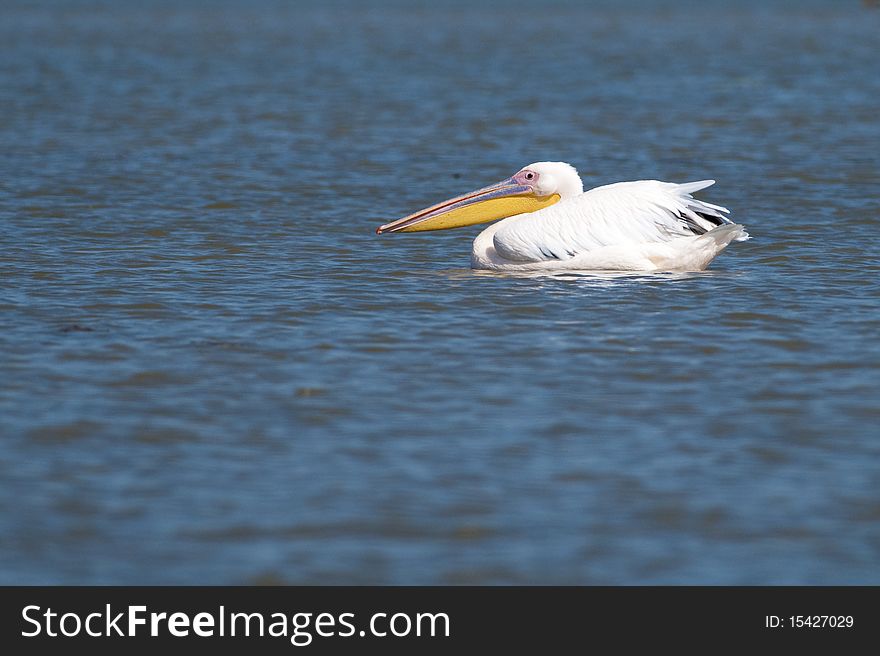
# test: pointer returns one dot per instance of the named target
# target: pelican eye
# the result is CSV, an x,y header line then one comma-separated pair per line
x,y
530,176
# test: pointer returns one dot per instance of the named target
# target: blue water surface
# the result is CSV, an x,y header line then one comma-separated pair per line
x,y
213,371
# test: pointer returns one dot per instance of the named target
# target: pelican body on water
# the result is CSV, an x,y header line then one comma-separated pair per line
x,y
550,223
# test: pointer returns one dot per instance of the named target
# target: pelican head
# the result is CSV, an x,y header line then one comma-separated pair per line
x,y
532,188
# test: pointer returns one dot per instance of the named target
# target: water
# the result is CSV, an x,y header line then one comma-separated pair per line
x,y
213,371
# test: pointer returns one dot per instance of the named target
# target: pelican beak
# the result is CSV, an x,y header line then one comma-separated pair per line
x,y
498,201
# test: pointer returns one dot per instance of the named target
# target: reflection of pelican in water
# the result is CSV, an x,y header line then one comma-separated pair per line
x,y
551,224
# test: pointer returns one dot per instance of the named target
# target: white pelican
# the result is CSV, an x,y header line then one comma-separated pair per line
x,y
550,223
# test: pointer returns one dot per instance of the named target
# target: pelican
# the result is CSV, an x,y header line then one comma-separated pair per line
x,y
551,223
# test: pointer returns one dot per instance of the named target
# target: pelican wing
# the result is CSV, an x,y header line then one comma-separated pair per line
x,y
621,214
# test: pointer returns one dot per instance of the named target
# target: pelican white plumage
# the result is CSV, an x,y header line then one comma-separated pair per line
x,y
550,223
